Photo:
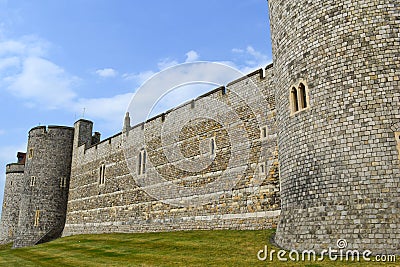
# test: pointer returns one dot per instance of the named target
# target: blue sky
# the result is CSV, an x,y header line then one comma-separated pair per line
x,y
61,58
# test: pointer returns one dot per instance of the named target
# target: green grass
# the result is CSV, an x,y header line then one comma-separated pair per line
x,y
192,248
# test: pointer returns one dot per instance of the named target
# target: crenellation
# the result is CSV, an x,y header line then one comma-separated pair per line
x,y
309,144
120,197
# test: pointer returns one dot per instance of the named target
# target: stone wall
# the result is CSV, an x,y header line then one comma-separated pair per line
x,y
45,185
126,201
11,202
340,171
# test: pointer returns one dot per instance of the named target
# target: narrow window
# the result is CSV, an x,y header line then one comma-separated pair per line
x,y
294,100
37,216
262,168
264,132
33,180
302,96
63,182
102,172
30,155
212,146
10,232
397,135
142,162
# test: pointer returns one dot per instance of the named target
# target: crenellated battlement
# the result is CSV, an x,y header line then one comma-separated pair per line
x,y
311,141
15,168
104,187
257,77
51,130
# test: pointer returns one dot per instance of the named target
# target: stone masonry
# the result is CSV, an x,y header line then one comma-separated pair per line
x,y
316,147
120,205
44,190
11,201
339,167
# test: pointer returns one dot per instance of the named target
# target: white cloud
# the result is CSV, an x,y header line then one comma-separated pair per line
x,y
109,109
107,73
140,77
166,63
171,79
28,45
26,74
9,62
237,50
42,82
250,59
191,56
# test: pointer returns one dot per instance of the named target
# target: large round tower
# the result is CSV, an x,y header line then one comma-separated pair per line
x,y
11,202
45,186
336,71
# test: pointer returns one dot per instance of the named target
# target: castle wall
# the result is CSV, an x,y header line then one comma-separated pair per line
x,y
340,171
45,185
121,205
11,202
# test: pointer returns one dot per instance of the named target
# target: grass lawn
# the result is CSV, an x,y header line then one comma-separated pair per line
x,y
192,248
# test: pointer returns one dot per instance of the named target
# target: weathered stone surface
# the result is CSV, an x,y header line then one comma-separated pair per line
x,y
42,208
338,173
120,205
339,166
11,202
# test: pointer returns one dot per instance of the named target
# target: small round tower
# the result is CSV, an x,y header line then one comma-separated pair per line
x,y
45,186
11,201
336,71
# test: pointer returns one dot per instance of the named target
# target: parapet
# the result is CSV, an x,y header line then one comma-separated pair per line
x,y
15,168
38,130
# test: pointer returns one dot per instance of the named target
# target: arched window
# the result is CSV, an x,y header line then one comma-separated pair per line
x,y
298,98
294,100
302,96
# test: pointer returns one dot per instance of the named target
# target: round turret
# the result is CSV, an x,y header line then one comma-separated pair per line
x,y
11,202
45,185
336,71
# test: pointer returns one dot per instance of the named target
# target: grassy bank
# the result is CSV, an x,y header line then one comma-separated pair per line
x,y
193,248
